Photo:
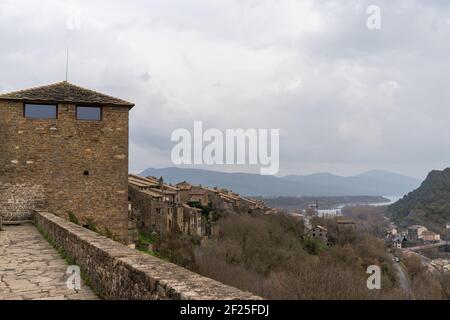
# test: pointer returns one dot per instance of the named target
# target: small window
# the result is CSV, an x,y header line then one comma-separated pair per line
x,y
40,111
89,113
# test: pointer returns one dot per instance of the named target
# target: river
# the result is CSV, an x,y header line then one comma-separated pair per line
x,y
337,210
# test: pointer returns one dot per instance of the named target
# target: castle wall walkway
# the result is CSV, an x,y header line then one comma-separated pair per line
x,y
116,271
31,269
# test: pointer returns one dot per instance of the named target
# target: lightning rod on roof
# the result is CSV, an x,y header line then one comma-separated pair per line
x,y
67,64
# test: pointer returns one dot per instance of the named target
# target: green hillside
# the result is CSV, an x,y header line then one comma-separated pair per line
x,y
428,205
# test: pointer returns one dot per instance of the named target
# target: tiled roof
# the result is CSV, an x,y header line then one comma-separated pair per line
x,y
197,192
398,238
184,185
140,181
151,183
64,92
416,226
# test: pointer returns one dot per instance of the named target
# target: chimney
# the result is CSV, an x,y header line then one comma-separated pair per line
x,y
161,183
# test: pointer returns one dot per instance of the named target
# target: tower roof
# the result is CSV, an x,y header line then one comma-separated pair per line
x,y
64,92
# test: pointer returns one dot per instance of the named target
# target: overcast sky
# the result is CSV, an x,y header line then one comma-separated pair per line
x,y
345,98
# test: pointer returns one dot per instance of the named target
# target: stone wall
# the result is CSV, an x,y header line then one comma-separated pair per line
x,y
155,215
118,272
81,166
151,214
17,202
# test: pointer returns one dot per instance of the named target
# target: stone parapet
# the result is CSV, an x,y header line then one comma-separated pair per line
x,y
116,271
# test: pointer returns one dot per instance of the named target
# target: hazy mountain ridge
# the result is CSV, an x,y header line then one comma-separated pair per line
x,y
372,183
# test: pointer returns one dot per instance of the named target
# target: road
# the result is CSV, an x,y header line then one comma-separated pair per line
x,y
403,278
431,245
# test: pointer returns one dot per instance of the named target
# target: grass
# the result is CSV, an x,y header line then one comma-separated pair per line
x,y
150,239
73,218
91,225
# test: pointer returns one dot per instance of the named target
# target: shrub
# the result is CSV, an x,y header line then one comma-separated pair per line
x,y
73,218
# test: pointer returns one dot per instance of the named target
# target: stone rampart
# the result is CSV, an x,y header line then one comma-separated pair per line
x,y
116,271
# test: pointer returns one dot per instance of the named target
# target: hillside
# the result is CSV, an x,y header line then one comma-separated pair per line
x,y
428,205
373,183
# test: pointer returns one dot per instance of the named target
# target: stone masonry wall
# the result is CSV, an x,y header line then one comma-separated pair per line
x,y
53,155
151,214
116,271
17,202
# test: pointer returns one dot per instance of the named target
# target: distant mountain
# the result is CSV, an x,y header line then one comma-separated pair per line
x,y
373,183
428,205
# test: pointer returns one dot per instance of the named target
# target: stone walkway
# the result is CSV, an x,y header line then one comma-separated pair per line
x,y
31,269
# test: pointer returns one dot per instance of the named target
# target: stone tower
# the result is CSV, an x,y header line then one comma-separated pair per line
x,y
64,149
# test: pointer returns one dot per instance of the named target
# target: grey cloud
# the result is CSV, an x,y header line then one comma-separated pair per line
x,y
346,99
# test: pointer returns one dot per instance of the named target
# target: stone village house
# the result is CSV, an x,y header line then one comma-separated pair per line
x,y
430,236
158,207
163,208
398,241
420,233
65,149
414,232
317,232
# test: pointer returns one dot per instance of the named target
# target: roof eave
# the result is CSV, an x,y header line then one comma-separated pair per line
x,y
31,100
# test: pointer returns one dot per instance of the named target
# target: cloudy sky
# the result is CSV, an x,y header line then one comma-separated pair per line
x,y
345,98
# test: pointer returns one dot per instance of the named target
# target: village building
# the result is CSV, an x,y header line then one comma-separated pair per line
x,y
191,193
152,207
163,208
65,149
184,190
393,231
158,207
220,199
430,236
317,232
398,241
198,194
415,232
192,221
403,233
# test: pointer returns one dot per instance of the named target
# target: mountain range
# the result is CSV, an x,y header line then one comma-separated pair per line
x,y
371,183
